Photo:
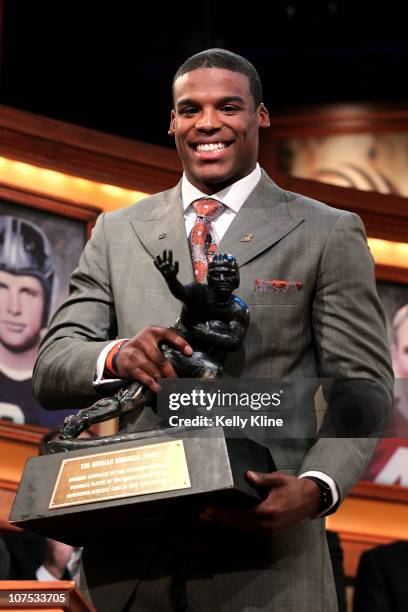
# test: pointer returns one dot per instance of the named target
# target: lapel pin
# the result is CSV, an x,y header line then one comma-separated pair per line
x,y
247,237
162,235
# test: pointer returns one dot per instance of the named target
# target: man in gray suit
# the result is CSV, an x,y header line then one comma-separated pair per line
x,y
307,275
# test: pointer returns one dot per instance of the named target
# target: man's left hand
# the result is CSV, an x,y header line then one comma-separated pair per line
x,y
289,500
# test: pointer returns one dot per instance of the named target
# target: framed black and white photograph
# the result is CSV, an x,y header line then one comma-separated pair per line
x,y
389,465
41,241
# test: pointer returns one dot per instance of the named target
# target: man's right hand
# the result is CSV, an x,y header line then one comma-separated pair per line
x,y
141,359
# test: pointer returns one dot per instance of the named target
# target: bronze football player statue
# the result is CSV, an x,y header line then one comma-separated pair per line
x,y
213,320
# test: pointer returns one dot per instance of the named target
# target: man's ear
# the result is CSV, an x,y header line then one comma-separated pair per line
x,y
172,120
263,115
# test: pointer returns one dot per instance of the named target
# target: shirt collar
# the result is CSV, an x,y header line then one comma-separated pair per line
x,y
232,196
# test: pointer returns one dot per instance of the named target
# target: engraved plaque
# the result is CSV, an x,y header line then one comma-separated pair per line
x,y
141,486
122,473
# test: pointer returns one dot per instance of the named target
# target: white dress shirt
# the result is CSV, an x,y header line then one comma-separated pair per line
x,y
233,197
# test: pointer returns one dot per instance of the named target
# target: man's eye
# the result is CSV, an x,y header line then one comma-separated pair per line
x,y
30,292
189,111
228,108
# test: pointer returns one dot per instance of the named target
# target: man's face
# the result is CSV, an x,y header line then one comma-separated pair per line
x,y
400,350
223,280
21,311
215,125
400,362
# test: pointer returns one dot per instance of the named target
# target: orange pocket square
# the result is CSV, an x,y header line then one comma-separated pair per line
x,y
272,284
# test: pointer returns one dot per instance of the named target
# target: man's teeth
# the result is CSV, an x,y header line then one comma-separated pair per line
x,y
216,146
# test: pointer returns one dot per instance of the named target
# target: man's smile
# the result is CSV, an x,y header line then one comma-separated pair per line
x,y
210,150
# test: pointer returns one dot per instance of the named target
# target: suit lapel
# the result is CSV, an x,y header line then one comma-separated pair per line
x,y
266,216
160,225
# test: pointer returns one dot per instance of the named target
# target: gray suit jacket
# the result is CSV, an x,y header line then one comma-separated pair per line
x,y
333,327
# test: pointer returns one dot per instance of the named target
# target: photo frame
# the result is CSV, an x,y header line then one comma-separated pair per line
x,y
387,465
347,156
60,228
359,145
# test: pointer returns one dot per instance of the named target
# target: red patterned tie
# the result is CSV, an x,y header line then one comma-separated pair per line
x,y
202,238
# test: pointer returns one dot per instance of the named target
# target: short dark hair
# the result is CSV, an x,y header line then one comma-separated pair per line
x,y
224,260
221,58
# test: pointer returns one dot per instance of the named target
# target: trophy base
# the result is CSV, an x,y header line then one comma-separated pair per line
x,y
77,497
